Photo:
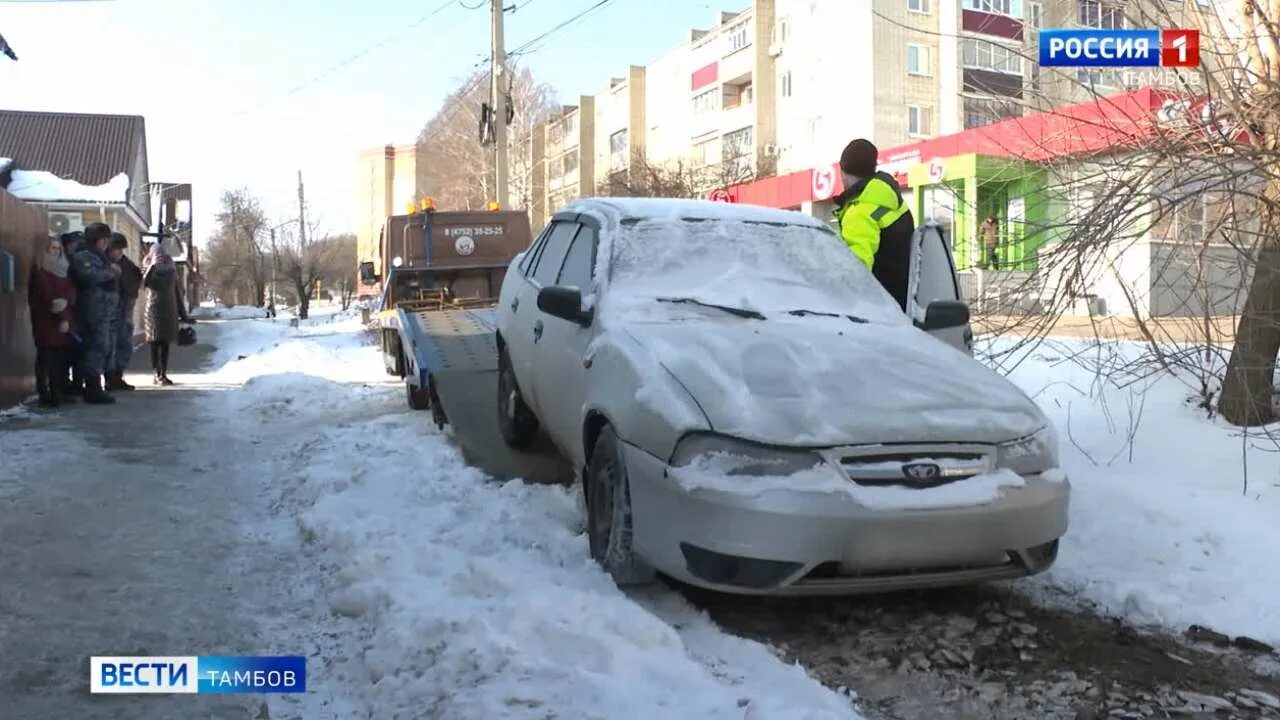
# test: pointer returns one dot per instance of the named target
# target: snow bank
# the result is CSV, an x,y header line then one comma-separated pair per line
x,y
45,186
456,596
1161,529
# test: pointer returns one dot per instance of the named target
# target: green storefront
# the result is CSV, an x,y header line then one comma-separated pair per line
x,y
961,190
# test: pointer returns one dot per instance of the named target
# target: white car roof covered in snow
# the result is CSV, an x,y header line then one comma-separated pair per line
x,y
614,210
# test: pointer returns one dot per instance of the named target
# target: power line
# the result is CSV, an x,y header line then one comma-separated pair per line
x,y
525,49
334,68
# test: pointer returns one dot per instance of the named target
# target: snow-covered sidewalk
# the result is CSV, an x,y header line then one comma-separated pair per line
x,y
1162,528
456,596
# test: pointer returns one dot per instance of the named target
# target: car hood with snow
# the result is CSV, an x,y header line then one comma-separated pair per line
x,y
817,381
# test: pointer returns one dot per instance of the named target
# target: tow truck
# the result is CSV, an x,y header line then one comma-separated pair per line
x,y
440,275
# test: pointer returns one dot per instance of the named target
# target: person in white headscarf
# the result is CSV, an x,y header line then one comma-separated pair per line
x,y
51,296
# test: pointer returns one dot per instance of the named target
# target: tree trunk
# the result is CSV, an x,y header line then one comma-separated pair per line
x,y
1248,386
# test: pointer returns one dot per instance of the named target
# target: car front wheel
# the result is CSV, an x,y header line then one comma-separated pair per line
x,y
608,500
518,424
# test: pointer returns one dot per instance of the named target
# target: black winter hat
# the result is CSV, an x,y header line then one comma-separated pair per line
x,y
118,241
859,158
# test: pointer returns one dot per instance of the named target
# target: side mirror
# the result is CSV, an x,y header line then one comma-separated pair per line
x,y
943,314
564,303
367,274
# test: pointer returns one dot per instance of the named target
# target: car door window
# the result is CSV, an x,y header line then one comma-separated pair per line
x,y
936,278
531,256
552,255
580,261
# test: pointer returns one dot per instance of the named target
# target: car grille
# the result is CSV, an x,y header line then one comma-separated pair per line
x,y
913,466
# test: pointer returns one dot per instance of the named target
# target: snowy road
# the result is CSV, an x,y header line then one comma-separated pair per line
x,y
284,501
127,530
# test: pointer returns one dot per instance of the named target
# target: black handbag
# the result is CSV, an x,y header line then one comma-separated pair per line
x,y
186,335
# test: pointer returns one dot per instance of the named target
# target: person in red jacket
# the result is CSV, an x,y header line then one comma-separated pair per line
x,y
52,297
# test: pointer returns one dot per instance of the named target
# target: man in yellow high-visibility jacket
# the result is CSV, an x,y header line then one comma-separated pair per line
x,y
875,222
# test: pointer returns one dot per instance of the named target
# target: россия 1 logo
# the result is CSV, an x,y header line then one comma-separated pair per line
x,y
1120,48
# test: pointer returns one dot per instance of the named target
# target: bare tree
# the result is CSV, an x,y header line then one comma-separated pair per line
x,y
236,263
454,167
341,274
682,178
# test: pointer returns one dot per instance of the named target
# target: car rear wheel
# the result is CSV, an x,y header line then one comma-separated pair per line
x,y
518,424
419,398
608,500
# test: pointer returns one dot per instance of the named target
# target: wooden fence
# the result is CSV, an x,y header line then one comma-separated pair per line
x,y
23,231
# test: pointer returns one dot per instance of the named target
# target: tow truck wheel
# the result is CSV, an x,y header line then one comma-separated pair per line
x,y
419,397
516,421
608,496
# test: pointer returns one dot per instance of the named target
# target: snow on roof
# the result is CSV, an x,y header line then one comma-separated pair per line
x,y
44,186
615,209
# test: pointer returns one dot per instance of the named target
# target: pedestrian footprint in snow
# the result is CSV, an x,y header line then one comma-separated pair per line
x,y
52,299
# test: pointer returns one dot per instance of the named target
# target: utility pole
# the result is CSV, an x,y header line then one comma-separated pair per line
x,y
498,76
304,269
275,263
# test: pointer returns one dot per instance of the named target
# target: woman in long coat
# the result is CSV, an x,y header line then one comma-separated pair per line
x,y
52,297
164,309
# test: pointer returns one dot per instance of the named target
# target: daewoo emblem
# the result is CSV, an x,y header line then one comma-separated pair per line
x,y
922,472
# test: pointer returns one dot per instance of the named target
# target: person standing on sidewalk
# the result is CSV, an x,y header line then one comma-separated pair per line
x,y
73,384
991,241
52,298
130,286
163,308
99,299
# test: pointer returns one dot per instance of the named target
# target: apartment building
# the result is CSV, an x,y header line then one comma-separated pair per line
x,y
564,159
386,181
620,139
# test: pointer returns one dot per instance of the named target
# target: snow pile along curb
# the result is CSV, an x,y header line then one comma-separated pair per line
x,y
459,597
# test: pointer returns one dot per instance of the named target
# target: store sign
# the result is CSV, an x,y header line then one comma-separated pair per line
x,y
720,195
823,183
937,170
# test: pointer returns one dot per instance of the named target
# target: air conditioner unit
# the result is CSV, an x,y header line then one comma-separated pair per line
x,y
65,222
771,150
775,49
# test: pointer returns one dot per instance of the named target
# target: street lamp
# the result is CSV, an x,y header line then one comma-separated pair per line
x,y
275,258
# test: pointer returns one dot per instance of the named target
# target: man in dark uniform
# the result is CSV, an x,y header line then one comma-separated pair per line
x,y
130,285
97,303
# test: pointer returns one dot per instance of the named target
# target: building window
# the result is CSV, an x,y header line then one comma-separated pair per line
x,y
704,153
705,102
984,111
570,125
571,162
1100,15
784,82
737,150
738,37
781,30
1011,8
1037,10
919,6
983,55
618,150
918,60
919,121
1093,77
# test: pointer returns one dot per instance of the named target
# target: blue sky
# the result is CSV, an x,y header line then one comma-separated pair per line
x,y
218,80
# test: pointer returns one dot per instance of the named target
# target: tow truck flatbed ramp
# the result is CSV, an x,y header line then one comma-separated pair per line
x,y
454,354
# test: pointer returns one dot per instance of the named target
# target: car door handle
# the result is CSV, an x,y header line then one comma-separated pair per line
x,y
537,331
515,304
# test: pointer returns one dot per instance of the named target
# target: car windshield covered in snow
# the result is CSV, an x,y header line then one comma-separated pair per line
x,y
754,268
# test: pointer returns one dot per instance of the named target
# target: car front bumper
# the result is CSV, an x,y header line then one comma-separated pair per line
x,y
800,542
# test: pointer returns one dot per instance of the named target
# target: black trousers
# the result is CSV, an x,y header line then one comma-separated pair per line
x,y
51,373
160,358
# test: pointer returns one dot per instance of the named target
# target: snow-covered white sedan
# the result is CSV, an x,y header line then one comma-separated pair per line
x,y
751,411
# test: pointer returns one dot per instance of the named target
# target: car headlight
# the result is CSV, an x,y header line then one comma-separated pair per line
x,y
739,457
1029,455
